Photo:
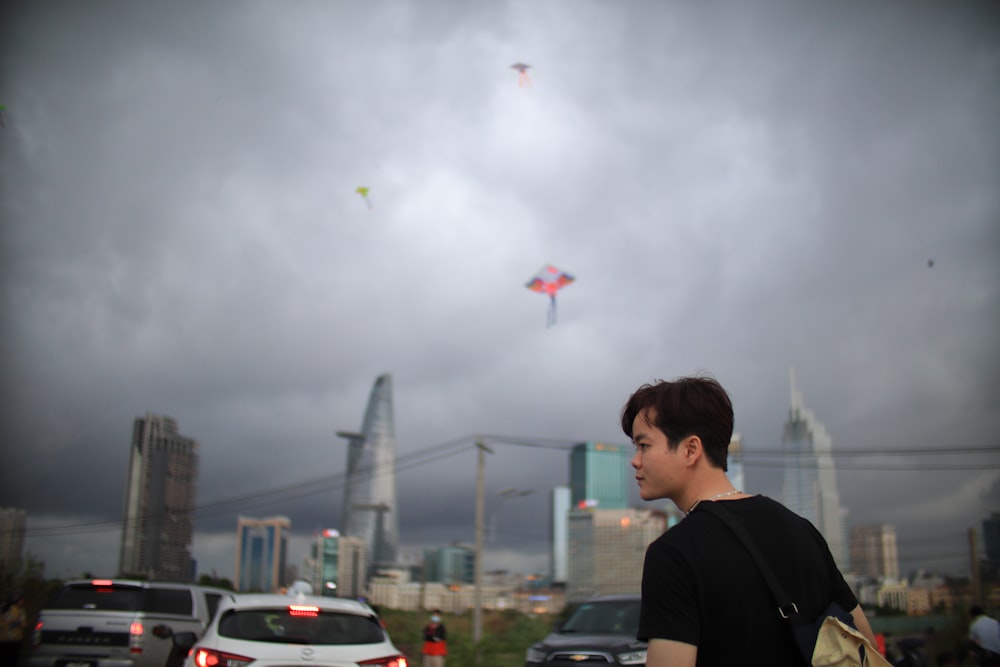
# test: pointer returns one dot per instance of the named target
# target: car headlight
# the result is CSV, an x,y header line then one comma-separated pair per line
x,y
534,655
636,657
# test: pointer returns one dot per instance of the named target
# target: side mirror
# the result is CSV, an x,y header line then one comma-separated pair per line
x,y
185,640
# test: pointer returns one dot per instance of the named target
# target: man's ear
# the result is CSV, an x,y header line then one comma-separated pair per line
x,y
692,449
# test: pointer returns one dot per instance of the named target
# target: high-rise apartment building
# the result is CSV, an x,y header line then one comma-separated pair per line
x,y
159,502
559,528
11,540
370,511
809,485
261,552
873,551
599,474
607,548
336,565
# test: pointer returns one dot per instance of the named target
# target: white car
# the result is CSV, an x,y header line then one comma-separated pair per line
x,y
270,630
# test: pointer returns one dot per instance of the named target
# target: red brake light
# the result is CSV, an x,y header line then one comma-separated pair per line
x,y
205,657
303,610
387,661
135,628
100,582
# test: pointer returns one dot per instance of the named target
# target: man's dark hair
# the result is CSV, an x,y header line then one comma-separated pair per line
x,y
685,407
976,610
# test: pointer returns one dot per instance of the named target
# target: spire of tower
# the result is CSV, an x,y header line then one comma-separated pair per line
x,y
796,396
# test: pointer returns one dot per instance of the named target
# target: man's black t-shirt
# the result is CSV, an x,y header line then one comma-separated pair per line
x,y
701,587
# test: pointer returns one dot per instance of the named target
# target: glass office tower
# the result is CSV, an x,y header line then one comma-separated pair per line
x,y
370,510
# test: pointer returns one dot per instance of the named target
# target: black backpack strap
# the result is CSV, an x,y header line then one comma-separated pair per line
x,y
786,607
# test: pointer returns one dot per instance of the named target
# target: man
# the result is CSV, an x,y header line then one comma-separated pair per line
x,y
704,601
984,632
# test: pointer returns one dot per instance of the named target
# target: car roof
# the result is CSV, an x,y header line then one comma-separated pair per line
x,y
145,584
276,601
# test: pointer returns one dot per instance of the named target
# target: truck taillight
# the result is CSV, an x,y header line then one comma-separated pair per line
x,y
36,636
135,637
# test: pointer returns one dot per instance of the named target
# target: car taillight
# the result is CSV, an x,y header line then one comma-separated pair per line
x,y
36,636
388,661
206,657
135,637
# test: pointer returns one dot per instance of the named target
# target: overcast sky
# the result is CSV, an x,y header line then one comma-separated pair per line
x,y
737,189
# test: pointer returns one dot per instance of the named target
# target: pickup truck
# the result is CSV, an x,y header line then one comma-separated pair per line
x,y
120,623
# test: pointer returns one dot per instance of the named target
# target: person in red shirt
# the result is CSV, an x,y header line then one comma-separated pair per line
x,y
435,641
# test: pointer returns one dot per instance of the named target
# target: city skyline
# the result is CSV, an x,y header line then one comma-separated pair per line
x,y
377,396
735,189
580,458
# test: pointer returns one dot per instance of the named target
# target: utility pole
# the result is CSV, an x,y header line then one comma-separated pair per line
x,y
477,612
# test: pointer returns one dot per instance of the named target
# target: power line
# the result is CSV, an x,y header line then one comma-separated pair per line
x,y
461,444
272,496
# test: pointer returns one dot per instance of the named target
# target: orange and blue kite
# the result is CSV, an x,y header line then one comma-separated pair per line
x,y
549,281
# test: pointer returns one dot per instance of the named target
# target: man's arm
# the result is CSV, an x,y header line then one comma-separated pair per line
x,y
862,624
668,653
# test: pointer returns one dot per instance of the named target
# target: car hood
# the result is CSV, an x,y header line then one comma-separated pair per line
x,y
580,642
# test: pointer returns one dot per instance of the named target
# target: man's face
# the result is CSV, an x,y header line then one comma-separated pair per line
x,y
658,469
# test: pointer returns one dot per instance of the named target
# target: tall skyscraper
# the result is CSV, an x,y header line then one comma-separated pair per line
x,y
159,502
873,551
370,510
598,475
261,552
559,522
809,486
11,540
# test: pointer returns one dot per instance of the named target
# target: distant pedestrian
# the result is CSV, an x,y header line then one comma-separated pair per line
x,y
435,641
13,624
984,632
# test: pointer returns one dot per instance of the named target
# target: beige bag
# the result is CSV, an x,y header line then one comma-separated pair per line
x,y
837,646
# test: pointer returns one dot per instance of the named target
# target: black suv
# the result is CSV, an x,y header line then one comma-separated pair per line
x,y
601,631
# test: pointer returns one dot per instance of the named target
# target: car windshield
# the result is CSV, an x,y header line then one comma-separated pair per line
x,y
607,617
278,625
